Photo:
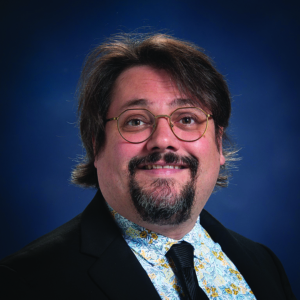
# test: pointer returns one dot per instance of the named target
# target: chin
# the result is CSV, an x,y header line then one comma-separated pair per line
x,y
161,204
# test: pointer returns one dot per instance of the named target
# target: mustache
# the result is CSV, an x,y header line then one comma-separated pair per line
x,y
190,161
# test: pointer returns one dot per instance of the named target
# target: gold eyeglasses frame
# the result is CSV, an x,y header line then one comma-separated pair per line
x,y
168,117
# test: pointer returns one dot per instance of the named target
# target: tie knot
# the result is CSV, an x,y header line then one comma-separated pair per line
x,y
182,254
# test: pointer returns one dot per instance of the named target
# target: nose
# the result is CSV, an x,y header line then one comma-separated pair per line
x,y
163,137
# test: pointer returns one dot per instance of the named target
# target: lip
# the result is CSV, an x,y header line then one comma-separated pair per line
x,y
161,172
157,167
162,166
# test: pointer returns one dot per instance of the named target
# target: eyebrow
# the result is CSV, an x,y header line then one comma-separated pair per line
x,y
182,102
135,102
145,102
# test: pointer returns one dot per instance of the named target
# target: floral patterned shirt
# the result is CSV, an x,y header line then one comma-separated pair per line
x,y
217,275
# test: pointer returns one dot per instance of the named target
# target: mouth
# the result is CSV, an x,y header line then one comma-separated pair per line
x,y
161,166
150,167
166,165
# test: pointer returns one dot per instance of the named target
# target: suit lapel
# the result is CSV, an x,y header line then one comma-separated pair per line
x,y
116,270
243,257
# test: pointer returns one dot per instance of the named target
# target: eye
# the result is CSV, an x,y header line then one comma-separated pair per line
x,y
187,121
135,122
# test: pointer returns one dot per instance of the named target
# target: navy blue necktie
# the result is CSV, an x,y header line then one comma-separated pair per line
x,y
183,257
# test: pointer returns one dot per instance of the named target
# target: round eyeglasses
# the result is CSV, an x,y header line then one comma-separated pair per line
x,y
188,124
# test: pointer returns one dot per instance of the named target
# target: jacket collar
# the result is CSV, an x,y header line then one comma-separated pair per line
x,y
250,258
116,270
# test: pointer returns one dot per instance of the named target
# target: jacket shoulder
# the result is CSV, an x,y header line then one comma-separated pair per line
x,y
258,264
57,241
53,260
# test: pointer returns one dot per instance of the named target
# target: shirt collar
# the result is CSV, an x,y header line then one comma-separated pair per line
x,y
151,245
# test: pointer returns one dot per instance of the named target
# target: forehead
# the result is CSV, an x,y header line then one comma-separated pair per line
x,y
144,86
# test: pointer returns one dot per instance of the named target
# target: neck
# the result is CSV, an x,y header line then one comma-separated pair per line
x,y
176,232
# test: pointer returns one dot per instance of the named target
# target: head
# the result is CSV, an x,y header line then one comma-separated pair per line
x,y
160,70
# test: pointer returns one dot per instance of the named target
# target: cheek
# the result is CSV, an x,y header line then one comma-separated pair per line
x,y
209,166
114,160
203,149
209,159
125,151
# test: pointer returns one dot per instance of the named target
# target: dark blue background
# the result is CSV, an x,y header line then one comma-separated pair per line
x,y
254,43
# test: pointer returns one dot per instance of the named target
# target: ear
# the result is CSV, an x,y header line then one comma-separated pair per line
x,y
95,156
222,157
219,141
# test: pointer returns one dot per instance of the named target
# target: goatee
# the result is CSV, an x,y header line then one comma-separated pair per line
x,y
158,202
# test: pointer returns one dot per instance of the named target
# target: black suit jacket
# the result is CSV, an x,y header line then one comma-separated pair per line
x,y
87,258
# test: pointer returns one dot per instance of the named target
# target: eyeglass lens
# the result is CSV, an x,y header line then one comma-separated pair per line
x,y
136,125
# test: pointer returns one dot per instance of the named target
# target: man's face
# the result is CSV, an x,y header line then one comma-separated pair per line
x,y
162,180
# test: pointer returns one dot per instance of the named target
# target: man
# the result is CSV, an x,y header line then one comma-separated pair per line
x,y
153,118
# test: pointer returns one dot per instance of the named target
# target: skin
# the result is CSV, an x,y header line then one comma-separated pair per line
x,y
145,87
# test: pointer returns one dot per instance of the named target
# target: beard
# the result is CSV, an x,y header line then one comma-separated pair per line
x,y
158,202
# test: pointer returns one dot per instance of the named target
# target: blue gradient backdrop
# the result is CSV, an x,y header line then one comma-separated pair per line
x,y
254,43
